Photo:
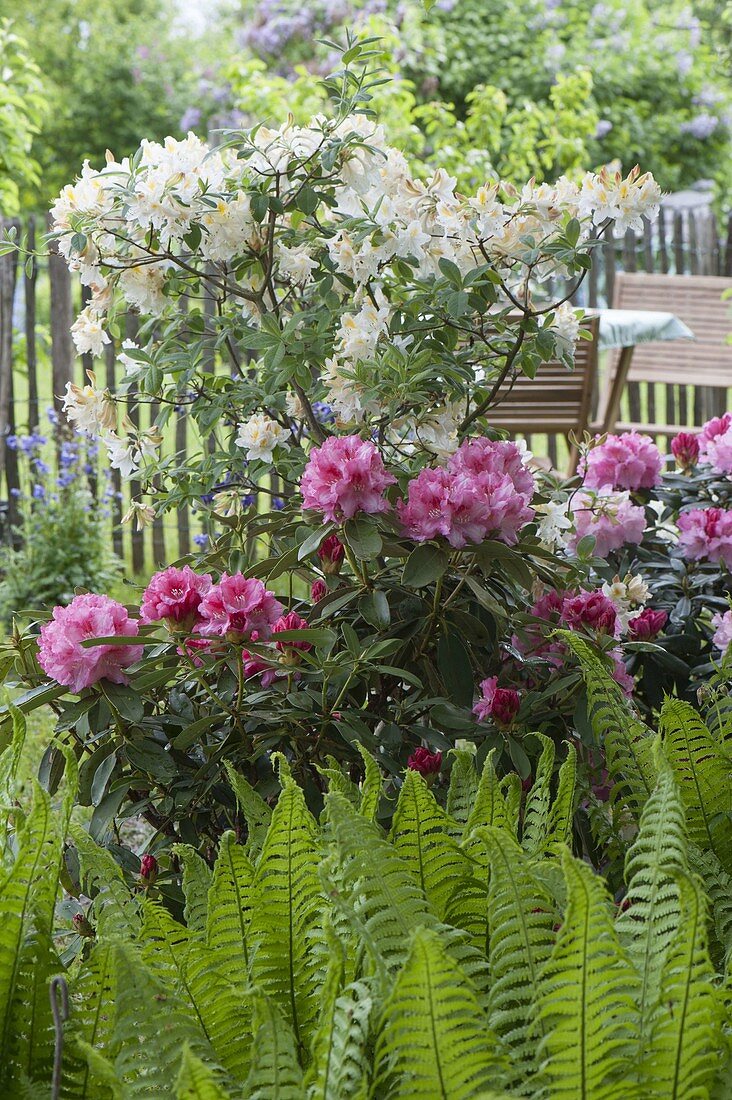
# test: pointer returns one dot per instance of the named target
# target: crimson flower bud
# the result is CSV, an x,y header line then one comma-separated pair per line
x,y
82,926
148,869
425,762
647,625
318,590
685,449
331,554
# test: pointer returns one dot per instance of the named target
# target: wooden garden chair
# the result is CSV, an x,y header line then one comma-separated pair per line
x,y
558,401
705,361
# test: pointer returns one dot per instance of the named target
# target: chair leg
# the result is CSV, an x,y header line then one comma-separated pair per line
x,y
615,390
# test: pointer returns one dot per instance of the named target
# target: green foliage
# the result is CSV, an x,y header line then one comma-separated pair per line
x,y
326,966
22,108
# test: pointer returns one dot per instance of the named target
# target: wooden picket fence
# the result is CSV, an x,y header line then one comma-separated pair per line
x,y
39,300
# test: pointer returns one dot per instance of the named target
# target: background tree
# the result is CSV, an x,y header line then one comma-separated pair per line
x,y
21,112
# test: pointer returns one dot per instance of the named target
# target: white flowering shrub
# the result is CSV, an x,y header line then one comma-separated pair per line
x,y
346,295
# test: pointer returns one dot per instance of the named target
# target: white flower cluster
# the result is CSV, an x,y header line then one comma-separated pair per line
x,y
253,221
629,595
93,411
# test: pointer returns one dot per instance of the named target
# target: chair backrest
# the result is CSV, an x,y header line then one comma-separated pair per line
x,y
697,301
558,400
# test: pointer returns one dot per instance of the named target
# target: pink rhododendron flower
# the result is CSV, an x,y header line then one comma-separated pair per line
x,y
484,490
239,606
715,443
291,621
254,665
331,554
500,704
425,762
620,673
723,631
62,656
591,609
706,533
630,461
685,449
318,590
647,625
175,595
345,475
608,515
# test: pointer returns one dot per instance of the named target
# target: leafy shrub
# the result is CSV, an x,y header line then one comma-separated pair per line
x,y
465,952
64,530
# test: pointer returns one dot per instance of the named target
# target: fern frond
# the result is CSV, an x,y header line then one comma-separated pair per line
x,y
434,1040
538,801
10,759
718,888
561,814
197,1081
586,998
149,1043
29,1056
91,1025
36,862
650,920
286,905
626,740
230,905
489,806
704,777
116,910
510,788
339,1063
420,835
683,1057
372,786
461,793
338,780
521,919
196,884
275,1073
107,1085
257,813
385,902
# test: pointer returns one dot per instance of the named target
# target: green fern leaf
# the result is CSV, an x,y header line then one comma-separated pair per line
x,y
339,1065
91,1025
10,760
230,905
521,919
684,1052
107,1085
718,888
625,738
116,910
149,1041
648,924
275,1073
535,832
257,813
586,998
434,1041
286,904
704,777
37,860
32,1038
463,789
338,780
420,835
372,786
489,806
561,814
197,1081
196,884
510,788
198,976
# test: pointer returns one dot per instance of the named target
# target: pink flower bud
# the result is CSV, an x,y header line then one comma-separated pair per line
x,y
291,621
685,448
425,762
318,590
647,625
500,704
148,869
331,554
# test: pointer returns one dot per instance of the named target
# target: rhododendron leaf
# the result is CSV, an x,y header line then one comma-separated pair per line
x,y
454,665
374,608
318,636
425,564
101,777
123,700
314,540
363,537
